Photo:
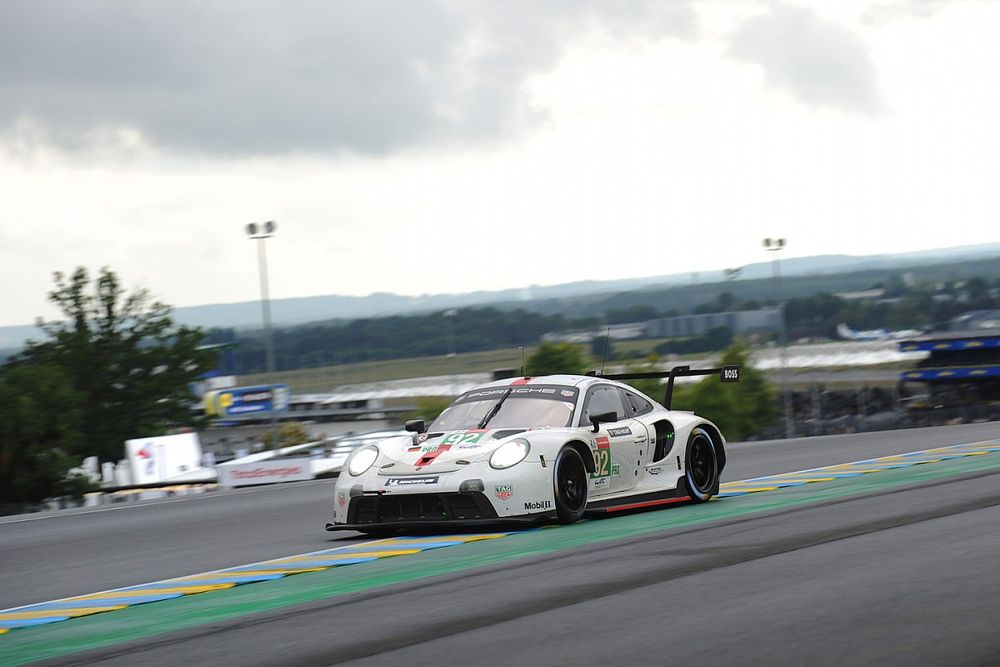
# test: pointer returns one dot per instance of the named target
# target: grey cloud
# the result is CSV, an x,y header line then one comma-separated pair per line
x,y
254,77
890,10
819,62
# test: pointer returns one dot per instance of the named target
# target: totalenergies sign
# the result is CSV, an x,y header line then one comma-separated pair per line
x,y
243,401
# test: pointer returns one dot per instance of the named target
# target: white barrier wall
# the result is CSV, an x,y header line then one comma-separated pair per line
x,y
264,472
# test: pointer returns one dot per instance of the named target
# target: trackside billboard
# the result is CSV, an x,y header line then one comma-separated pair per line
x,y
239,402
159,458
264,472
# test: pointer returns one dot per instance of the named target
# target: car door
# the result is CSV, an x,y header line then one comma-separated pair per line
x,y
616,444
642,411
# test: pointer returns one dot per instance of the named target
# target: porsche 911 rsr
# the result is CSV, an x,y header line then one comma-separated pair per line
x,y
534,450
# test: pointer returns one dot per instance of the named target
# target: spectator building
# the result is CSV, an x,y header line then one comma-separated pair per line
x,y
961,373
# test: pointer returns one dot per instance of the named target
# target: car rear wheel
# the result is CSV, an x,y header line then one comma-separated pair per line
x,y
701,469
571,484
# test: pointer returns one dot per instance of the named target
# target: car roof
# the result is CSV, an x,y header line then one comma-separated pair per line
x,y
558,380
580,382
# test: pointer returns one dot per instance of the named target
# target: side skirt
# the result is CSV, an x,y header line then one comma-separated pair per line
x,y
641,501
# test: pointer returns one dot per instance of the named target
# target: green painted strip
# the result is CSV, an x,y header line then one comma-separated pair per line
x,y
140,622
867,466
403,546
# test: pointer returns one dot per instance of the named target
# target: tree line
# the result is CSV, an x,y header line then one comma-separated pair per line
x,y
114,367
396,337
477,329
901,306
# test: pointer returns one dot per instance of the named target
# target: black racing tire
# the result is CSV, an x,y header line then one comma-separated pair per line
x,y
570,483
701,466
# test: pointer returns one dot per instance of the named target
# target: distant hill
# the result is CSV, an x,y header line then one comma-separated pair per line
x,y
580,298
326,308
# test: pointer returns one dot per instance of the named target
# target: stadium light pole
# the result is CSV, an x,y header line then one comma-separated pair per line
x,y
260,232
448,318
774,246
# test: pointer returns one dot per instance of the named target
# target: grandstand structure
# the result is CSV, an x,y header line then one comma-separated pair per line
x,y
962,370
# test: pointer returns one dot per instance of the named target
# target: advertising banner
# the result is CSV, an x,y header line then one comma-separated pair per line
x,y
264,472
238,402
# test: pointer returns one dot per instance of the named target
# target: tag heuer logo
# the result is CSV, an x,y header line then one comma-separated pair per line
x,y
504,491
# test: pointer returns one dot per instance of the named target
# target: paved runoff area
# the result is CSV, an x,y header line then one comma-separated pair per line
x,y
21,619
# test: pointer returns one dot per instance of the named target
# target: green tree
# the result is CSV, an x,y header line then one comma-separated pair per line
x,y
651,387
123,355
428,408
637,313
977,289
289,433
913,310
39,416
555,358
740,409
725,302
602,347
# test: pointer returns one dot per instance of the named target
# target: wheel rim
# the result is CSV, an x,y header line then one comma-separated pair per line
x,y
572,483
701,464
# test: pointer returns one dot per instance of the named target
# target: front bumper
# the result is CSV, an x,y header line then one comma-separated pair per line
x,y
439,526
431,510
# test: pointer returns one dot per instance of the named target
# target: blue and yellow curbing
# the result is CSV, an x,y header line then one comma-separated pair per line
x,y
830,473
122,598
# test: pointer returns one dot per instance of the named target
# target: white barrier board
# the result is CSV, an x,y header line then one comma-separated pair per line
x,y
159,458
264,472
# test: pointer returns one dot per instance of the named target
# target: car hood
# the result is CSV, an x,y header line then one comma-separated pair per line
x,y
440,452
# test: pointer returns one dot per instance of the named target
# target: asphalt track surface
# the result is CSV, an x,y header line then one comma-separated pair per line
x,y
901,576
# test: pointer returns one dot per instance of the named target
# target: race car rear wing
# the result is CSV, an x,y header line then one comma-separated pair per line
x,y
725,373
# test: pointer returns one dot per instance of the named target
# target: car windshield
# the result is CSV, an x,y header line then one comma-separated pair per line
x,y
519,407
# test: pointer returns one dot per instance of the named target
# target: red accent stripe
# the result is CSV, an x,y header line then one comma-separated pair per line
x,y
648,503
524,380
429,457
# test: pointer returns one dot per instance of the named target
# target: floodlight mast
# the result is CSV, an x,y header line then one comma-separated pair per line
x,y
260,232
773,246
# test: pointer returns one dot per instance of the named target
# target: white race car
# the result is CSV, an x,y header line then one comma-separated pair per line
x,y
535,450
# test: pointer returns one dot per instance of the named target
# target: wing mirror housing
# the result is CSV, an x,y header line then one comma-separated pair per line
x,y
415,426
603,418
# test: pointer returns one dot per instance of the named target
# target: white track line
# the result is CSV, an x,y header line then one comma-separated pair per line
x,y
151,503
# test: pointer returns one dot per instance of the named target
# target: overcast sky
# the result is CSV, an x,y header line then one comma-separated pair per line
x,y
424,147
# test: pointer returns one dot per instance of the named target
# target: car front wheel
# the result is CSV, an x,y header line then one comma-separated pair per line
x,y
571,483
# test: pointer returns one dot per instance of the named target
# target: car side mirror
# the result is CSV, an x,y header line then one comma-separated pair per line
x,y
602,418
415,426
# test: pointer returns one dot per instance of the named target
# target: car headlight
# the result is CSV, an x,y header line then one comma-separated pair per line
x,y
510,453
363,460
